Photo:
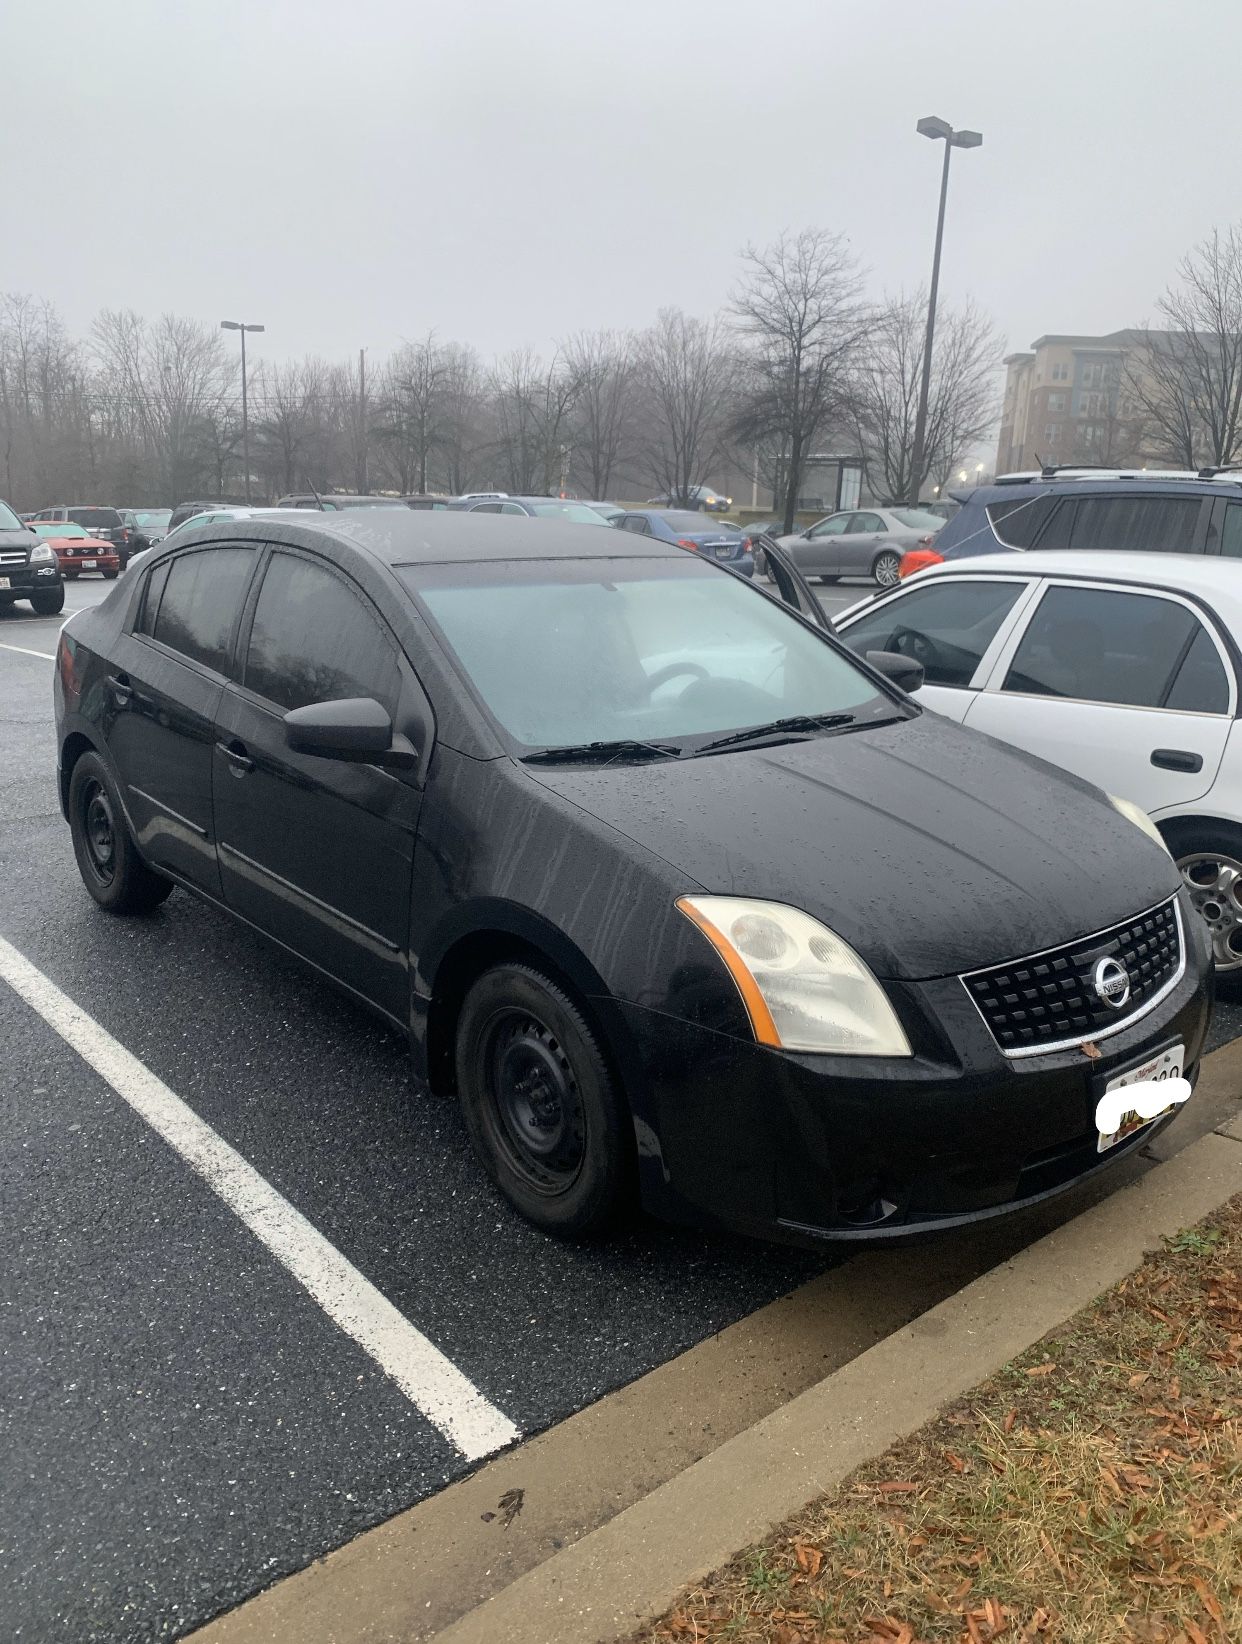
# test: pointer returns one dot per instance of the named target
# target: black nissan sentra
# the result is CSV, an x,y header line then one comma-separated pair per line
x,y
682,899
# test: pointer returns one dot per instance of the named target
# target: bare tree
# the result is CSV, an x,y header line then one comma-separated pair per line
x,y
686,370
414,419
961,407
799,305
463,416
603,366
1186,373
532,403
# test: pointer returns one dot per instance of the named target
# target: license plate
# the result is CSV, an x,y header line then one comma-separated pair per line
x,y
5,583
90,564
1166,1064
724,552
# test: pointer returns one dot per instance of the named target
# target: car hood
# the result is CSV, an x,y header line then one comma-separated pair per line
x,y
931,849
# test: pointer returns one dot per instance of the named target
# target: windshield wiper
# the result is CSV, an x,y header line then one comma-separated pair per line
x,y
597,753
796,725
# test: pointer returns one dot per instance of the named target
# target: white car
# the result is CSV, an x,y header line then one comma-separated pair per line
x,y
1123,669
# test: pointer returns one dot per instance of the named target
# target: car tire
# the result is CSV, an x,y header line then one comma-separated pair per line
x,y
540,1104
828,581
109,576
71,576
108,860
886,568
1209,859
50,602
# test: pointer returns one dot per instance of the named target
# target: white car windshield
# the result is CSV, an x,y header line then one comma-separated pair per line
x,y
578,651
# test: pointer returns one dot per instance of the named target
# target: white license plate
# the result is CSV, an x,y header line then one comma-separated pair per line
x,y
1166,1064
5,583
90,564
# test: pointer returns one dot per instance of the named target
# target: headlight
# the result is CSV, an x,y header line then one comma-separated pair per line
x,y
41,554
803,987
1136,814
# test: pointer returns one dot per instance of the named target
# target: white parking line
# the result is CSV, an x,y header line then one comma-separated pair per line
x,y
428,1379
22,650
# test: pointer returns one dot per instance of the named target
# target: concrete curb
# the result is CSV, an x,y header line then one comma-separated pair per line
x,y
634,1566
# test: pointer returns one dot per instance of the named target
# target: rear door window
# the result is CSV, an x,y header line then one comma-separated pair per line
x,y
1019,524
95,519
201,603
1135,650
1231,531
947,627
1143,523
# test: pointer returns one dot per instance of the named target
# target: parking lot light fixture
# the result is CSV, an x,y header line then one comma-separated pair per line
x,y
238,325
939,131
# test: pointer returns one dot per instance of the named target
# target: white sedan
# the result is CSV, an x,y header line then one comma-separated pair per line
x,y
1122,668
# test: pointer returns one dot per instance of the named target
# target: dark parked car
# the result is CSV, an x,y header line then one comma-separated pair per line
x,y
692,531
104,523
331,501
1135,511
28,568
187,510
626,847
703,497
147,526
426,501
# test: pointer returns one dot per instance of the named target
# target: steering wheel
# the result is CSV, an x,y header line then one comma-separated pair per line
x,y
671,670
911,643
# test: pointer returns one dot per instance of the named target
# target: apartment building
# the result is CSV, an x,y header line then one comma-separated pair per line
x,y
1071,399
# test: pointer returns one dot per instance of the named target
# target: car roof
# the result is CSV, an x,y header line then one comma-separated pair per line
x,y
405,536
1204,575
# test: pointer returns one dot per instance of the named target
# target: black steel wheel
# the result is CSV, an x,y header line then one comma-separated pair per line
x,y
540,1103
111,869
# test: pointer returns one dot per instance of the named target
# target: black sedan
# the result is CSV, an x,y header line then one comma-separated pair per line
x,y
681,898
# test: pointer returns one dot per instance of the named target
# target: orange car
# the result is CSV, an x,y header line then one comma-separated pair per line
x,y
77,550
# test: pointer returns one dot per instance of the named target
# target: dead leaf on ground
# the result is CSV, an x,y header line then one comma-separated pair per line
x,y
810,1559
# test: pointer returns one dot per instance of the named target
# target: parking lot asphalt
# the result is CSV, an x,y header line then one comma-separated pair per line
x,y
185,1422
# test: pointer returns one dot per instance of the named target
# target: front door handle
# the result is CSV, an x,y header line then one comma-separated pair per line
x,y
1177,759
122,690
239,760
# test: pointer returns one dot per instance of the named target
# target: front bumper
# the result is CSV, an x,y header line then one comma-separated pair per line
x,y
105,559
814,1148
24,580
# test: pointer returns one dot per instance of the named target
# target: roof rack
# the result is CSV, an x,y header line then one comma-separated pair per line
x,y
1222,468
1088,472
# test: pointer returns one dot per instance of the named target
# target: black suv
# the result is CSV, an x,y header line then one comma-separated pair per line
x,y
1137,510
28,568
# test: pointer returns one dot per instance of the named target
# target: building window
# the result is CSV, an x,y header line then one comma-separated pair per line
x,y
1060,373
1056,402
1052,432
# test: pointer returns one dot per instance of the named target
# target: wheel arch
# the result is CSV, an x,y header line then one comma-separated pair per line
x,y
75,744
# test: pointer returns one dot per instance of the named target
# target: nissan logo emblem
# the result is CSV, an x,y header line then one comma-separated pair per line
x,y
1112,983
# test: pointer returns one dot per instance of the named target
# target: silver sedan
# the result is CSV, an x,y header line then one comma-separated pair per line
x,y
860,542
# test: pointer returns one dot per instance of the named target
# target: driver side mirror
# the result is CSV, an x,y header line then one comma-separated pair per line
x,y
903,671
355,728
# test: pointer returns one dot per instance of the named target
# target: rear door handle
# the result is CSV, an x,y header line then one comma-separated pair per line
x,y
122,690
1177,759
239,760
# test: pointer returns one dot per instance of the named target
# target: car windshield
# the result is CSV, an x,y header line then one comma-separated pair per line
x,y
578,512
695,523
570,652
106,519
152,516
71,531
917,519
8,519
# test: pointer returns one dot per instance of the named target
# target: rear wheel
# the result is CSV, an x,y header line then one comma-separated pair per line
x,y
1209,859
72,576
109,576
111,869
886,568
540,1103
49,601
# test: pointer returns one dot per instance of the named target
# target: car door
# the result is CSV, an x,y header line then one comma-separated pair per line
x,y
1128,687
318,852
792,586
954,626
859,542
816,552
169,669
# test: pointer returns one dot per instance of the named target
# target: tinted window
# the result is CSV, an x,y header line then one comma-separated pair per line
x,y
1201,686
202,599
1154,524
1231,534
106,519
151,599
1018,523
917,519
947,628
633,522
315,640
1099,646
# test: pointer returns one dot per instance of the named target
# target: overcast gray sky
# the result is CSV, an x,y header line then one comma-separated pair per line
x,y
352,172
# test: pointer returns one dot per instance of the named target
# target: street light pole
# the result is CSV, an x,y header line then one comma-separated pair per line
x,y
236,325
941,131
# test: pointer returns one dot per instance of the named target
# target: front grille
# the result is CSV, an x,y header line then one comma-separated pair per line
x,y
1050,1000
18,558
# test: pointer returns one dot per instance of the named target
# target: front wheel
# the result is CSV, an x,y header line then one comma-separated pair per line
x,y
49,601
109,576
1209,860
539,1102
111,869
887,569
